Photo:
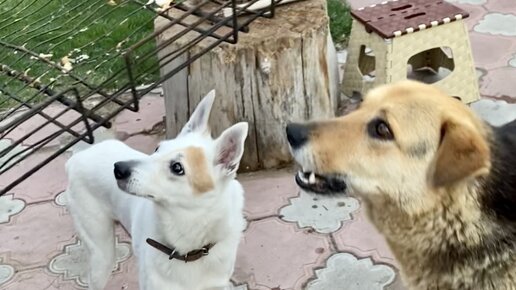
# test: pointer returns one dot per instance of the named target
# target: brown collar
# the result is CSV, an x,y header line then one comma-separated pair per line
x,y
172,254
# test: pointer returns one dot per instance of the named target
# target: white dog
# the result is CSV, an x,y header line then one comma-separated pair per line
x,y
181,205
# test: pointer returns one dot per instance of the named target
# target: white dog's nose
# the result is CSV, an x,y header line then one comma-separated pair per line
x,y
122,170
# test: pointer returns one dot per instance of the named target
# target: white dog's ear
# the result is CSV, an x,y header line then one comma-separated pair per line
x,y
230,147
198,121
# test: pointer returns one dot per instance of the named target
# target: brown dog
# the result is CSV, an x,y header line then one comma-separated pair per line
x,y
437,181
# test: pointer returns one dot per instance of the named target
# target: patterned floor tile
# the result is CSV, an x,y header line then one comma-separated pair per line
x,y
144,143
152,110
240,287
471,2
476,13
72,263
324,214
490,52
495,112
362,239
35,235
355,4
13,155
99,135
60,199
499,83
270,245
6,273
503,6
512,60
36,279
37,121
9,206
42,185
345,271
266,192
42,279
497,24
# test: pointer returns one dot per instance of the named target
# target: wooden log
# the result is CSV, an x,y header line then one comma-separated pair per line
x,y
283,70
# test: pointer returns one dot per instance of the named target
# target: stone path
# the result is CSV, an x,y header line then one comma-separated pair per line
x,y
293,240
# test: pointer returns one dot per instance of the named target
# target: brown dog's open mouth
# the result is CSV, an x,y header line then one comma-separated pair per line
x,y
321,184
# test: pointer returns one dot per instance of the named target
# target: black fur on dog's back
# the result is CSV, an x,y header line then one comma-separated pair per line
x,y
499,190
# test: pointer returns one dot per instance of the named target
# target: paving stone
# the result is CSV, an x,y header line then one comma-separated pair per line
x,y
36,278
512,61
491,52
470,2
14,155
144,143
266,192
72,263
152,111
37,120
274,254
9,206
497,24
42,185
277,255
345,271
495,112
362,239
35,235
499,83
502,6
325,214
99,135
6,273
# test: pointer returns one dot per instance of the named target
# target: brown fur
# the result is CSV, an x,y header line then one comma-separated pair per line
x,y
196,163
432,191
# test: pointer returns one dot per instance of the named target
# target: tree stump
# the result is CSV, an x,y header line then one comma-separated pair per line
x,y
284,69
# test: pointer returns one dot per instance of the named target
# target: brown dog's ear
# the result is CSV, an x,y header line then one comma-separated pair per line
x,y
462,153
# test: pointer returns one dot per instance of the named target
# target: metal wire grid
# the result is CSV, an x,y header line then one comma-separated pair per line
x,y
46,72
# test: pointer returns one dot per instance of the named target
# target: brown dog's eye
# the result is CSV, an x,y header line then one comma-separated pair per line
x,y
379,129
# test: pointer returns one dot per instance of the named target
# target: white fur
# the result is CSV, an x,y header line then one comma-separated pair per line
x,y
158,205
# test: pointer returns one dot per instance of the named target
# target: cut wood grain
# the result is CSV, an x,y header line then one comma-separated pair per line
x,y
283,70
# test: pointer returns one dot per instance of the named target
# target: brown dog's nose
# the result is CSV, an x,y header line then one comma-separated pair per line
x,y
297,134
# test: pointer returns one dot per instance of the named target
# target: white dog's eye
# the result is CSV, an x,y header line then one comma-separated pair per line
x,y
177,168
156,150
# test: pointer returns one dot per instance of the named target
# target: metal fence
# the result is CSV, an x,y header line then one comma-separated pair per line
x,y
51,92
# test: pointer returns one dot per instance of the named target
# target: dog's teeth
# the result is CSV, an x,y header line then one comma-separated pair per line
x,y
311,179
302,177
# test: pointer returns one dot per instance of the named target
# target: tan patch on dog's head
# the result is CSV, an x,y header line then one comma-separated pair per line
x,y
198,172
437,142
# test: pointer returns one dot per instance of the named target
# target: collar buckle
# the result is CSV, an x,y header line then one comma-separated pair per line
x,y
171,256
